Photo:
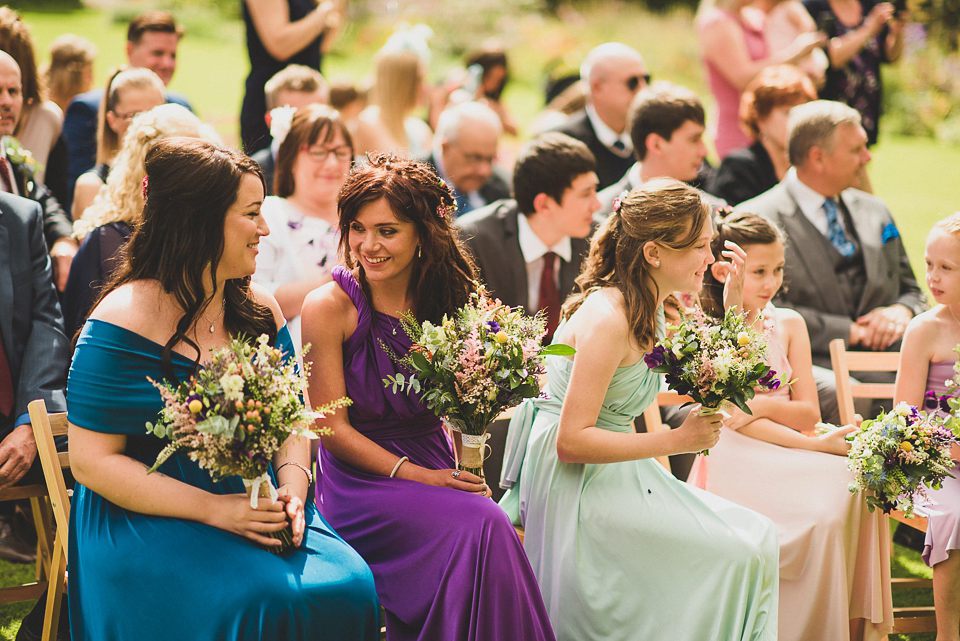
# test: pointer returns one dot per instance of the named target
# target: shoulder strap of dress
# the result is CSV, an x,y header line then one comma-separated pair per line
x,y
344,277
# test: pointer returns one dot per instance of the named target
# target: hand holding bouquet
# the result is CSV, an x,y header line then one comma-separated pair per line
x,y
471,367
898,454
714,363
234,414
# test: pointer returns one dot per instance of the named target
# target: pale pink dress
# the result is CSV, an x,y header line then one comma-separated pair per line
x,y
725,131
834,553
943,511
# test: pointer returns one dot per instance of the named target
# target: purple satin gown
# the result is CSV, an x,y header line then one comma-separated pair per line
x,y
447,564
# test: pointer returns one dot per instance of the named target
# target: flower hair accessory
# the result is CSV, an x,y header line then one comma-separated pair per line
x,y
143,186
444,210
619,201
281,119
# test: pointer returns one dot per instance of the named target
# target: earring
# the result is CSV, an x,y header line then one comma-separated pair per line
x,y
419,251
656,263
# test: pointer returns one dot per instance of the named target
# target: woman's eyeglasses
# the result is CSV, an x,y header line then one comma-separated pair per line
x,y
342,153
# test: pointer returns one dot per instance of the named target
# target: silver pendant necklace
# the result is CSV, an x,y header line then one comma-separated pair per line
x,y
222,308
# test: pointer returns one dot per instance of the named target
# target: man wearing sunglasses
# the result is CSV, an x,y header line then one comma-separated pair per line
x,y
613,73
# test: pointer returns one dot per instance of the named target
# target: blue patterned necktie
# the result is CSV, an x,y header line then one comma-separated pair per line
x,y
835,229
463,203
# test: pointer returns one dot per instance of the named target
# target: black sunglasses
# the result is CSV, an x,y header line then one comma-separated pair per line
x,y
634,81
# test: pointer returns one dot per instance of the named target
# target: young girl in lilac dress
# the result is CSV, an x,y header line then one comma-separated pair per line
x,y
834,553
446,560
927,360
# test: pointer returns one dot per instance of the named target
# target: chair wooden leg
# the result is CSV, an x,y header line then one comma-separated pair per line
x,y
43,524
51,614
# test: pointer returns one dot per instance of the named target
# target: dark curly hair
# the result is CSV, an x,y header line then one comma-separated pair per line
x,y
192,185
443,272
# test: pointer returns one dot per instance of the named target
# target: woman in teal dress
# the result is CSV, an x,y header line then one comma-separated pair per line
x,y
622,549
175,555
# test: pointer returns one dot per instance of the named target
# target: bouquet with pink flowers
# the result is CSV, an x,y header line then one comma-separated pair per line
x,y
234,414
714,362
471,367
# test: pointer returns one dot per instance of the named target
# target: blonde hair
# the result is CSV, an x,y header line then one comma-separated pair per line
x,y
121,198
664,211
950,224
70,55
396,91
121,80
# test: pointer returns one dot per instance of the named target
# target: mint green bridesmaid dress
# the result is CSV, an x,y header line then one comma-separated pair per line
x,y
625,550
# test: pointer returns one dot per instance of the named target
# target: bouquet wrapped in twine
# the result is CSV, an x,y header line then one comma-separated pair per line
x,y
714,362
470,368
233,415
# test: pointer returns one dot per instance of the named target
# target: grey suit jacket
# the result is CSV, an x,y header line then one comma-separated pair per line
x,y
810,283
33,337
491,235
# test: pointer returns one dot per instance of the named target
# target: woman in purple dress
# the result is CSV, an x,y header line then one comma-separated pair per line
x,y
446,559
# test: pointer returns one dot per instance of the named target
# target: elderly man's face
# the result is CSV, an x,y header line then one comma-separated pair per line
x,y
468,160
11,95
844,162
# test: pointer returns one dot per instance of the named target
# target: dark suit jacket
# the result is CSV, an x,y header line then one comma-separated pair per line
x,y
744,174
268,164
810,283
56,222
80,133
491,234
497,187
609,194
30,321
610,166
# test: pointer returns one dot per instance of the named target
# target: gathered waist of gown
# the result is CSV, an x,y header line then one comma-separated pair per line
x,y
416,426
521,426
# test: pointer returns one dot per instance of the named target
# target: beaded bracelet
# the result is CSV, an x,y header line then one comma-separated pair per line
x,y
401,461
305,470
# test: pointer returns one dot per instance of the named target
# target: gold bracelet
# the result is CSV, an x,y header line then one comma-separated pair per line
x,y
403,459
302,467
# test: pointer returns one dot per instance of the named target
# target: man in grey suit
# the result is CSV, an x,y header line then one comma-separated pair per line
x,y
555,190
34,352
846,271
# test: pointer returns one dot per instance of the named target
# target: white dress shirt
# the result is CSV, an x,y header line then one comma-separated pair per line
x,y
607,136
533,250
810,201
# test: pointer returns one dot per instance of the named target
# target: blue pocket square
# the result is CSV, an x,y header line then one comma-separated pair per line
x,y
890,232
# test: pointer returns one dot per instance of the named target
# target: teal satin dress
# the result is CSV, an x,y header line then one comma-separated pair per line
x,y
625,551
141,577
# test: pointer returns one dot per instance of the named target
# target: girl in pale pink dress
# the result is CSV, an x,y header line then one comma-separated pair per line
x,y
734,49
927,358
834,553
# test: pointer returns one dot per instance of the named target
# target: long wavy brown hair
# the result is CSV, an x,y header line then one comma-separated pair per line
x,y
663,211
443,273
192,184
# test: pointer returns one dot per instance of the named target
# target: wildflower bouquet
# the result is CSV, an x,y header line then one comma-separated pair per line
x,y
473,366
898,454
234,414
714,363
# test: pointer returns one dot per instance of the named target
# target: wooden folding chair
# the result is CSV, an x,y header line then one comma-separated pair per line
x,y
45,428
43,526
905,620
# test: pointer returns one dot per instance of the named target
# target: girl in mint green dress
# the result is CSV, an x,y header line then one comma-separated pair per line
x,y
621,548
